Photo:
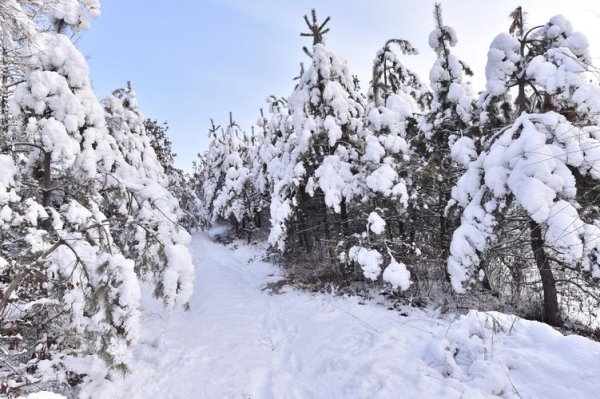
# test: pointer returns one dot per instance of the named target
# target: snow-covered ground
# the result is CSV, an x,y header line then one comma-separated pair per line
x,y
240,341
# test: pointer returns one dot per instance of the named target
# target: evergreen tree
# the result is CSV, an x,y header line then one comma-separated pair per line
x,y
69,266
448,120
543,163
141,205
358,186
179,182
395,96
213,171
237,198
269,148
196,185
318,178
66,261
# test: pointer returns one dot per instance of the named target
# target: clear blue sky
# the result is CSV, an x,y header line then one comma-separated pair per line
x,y
190,60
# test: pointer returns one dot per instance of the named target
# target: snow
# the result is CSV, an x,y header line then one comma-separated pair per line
x,y
369,259
68,119
316,149
8,170
44,395
335,177
397,275
382,179
463,151
502,59
376,223
530,161
73,12
240,340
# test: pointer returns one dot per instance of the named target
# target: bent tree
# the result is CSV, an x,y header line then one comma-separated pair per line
x,y
541,155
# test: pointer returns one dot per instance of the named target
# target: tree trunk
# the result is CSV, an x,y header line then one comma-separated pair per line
x,y
4,98
551,310
258,219
303,221
444,246
344,219
47,188
329,242
442,221
516,271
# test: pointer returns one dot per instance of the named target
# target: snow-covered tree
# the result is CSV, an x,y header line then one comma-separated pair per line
x,y
274,132
142,206
358,184
195,182
17,32
267,150
213,170
69,270
395,96
542,159
179,182
228,201
230,189
66,263
161,144
448,120
318,177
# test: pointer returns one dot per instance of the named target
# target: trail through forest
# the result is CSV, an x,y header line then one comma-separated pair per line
x,y
240,340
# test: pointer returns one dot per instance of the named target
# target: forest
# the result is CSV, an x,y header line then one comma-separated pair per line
x,y
427,188
428,193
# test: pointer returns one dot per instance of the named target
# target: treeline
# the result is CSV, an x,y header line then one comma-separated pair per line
x,y
428,187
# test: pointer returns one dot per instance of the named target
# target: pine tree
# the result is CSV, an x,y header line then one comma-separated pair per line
x,y
69,269
448,120
539,159
395,96
66,260
196,185
179,182
236,198
317,180
141,205
213,162
272,138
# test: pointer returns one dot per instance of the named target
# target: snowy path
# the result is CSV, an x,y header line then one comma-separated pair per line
x,y
241,342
